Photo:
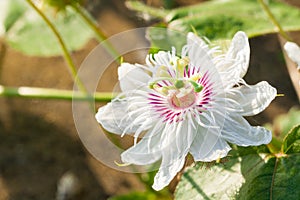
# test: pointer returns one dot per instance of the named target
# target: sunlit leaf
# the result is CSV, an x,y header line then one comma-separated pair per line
x,y
219,19
244,176
10,12
30,34
147,195
220,181
215,23
291,143
285,122
135,195
164,39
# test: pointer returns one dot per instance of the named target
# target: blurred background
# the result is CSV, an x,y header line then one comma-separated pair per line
x,y
40,152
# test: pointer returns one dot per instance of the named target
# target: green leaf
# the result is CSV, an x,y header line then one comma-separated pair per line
x,y
291,143
284,123
219,19
215,23
164,39
245,175
135,195
281,126
205,182
273,178
10,11
30,34
141,7
147,195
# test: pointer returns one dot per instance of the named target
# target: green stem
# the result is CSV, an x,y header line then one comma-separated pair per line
x,y
274,146
66,53
101,37
46,93
274,20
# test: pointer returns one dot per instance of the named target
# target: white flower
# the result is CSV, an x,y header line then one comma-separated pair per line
x,y
188,104
293,51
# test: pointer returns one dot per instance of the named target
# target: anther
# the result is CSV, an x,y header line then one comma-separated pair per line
x,y
181,64
151,85
195,77
197,87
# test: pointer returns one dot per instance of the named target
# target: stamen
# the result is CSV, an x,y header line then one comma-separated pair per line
x,y
161,90
151,85
122,164
121,60
155,81
197,87
195,77
181,64
162,71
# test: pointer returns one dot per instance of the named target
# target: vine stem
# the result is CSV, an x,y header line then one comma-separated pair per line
x,y
274,20
66,53
47,93
101,37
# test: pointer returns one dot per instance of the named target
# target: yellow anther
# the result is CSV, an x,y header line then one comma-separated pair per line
x,y
151,85
161,90
195,77
155,86
121,59
181,64
122,164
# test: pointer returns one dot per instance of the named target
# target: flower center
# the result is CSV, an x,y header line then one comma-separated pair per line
x,y
182,98
179,88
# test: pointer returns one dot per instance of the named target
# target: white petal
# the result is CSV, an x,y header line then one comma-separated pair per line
x,y
209,146
251,100
162,58
198,53
293,51
201,58
173,153
192,39
240,51
167,173
235,63
115,118
147,150
238,131
132,77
